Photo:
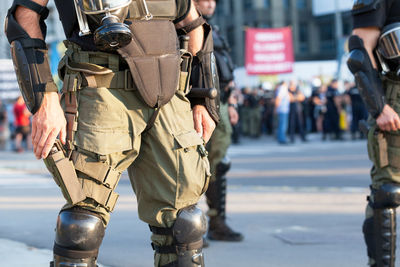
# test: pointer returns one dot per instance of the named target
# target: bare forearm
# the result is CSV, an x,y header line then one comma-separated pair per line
x,y
197,35
29,20
370,37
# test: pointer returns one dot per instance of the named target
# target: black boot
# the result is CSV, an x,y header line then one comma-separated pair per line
x,y
216,199
219,230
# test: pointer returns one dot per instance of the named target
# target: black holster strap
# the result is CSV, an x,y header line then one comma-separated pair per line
x,y
177,247
171,264
43,11
75,254
160,230
191,26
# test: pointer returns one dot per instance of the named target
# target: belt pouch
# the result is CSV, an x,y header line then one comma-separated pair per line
x,y
153,57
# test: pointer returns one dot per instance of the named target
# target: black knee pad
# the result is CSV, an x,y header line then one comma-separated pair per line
x,y
386,196
187,233
190,225
79,234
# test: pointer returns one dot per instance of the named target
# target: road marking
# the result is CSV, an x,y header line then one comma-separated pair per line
x,y
300,173
356,157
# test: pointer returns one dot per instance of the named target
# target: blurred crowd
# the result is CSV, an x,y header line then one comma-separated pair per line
x,y
287,110
293,108
15,126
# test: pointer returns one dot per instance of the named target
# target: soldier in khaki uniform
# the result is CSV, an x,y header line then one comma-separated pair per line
x,y
374,60
125,101
221,138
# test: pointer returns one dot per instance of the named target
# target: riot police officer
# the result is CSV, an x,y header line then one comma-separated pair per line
x,y
374,61
221,138
125,102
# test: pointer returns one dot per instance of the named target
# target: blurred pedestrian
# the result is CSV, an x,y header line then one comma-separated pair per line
x,y
3,126
296,120
282,103
267,120
319,100
358,110
254,114
333,106
22,125
245,111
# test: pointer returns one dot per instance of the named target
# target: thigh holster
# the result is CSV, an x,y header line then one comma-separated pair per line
x,y
187,233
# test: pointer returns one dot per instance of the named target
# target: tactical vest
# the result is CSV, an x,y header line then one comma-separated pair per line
x,y
174,10
224,61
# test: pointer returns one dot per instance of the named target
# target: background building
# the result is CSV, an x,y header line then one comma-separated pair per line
x,y
315,35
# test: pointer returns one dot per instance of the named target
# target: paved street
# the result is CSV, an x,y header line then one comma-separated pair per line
x,y
297,205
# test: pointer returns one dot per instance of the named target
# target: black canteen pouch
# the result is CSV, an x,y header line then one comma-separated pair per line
x,y
154,60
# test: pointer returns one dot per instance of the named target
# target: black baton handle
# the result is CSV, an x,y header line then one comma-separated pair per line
x,y
203,92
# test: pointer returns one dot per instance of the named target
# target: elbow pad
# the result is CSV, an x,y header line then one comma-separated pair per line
x,y
367,78
204,75
30,57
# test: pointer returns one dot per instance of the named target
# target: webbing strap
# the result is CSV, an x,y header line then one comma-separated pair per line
x,y
115,80
99,171
70,86
175,248
393,140
160,230
106,197
191,26
171,264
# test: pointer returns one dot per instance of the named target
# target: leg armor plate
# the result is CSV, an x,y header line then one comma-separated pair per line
x,y
79,234
188,231
380,230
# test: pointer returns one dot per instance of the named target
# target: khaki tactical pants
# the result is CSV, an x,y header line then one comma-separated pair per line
x,y
167,169
384,147
220,140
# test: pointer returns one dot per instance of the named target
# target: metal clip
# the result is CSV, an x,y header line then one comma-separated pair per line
x,y
144,10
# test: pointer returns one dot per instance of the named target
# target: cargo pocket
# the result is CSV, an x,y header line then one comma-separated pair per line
x,y
394,150
103,124
193,168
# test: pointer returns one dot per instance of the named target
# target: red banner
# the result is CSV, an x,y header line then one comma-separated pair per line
x,y
269,51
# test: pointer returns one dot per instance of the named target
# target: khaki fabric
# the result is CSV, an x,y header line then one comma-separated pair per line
x,y
220,140
167,169
384,148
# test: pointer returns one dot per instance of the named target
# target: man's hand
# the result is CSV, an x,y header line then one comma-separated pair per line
x,y
388,120
47,123
233,115
203,123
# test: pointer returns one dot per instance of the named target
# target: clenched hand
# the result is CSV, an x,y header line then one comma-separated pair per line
x,y
48,122
203,123
388,120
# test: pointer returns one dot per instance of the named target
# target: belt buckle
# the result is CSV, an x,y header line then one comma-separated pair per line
x,y
128,80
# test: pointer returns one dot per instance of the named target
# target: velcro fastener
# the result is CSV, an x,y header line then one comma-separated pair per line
x,y
177,248
160,230
99,171
106,197
75,254
164,249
